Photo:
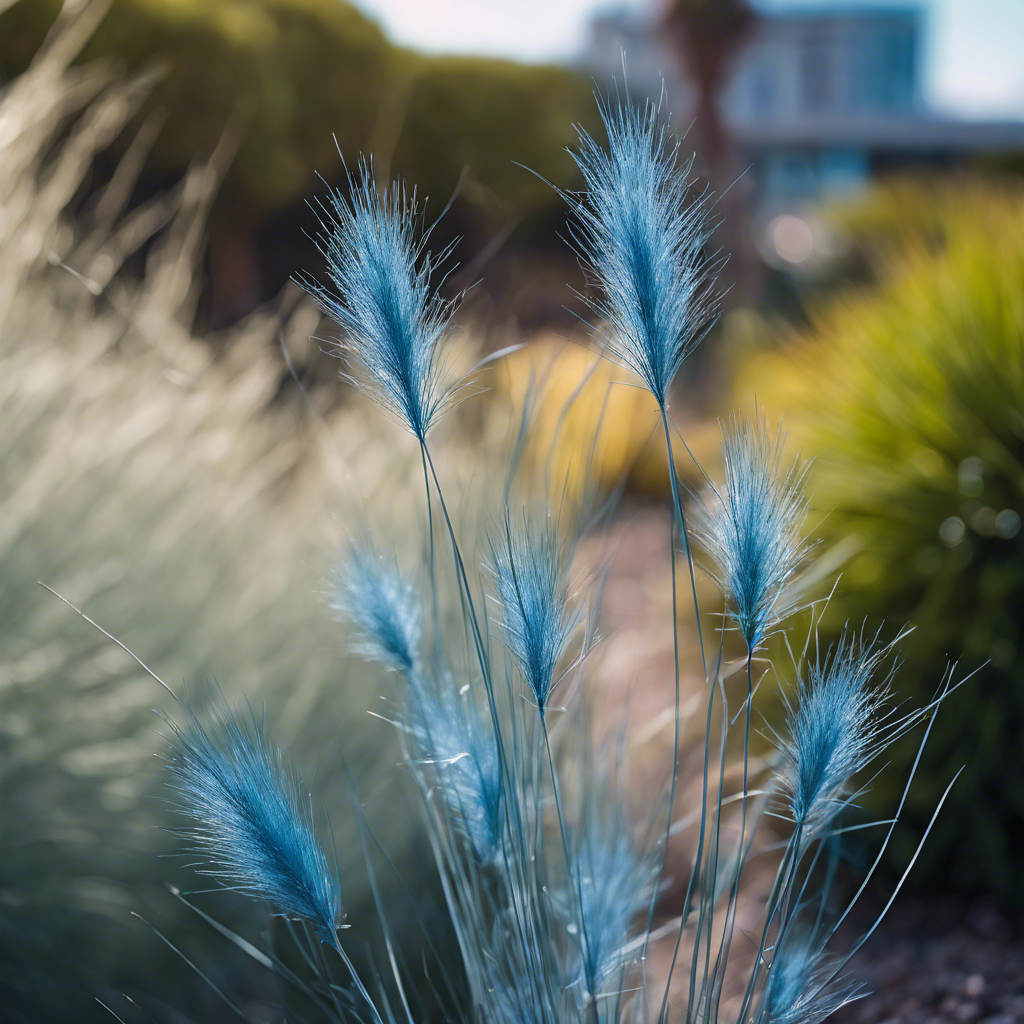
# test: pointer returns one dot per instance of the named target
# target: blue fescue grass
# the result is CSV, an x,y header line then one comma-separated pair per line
x,y
799,989
371,594
551,888
842,719
445,726
450,734
613,876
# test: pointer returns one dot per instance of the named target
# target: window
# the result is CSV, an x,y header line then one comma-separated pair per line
x,y
814,73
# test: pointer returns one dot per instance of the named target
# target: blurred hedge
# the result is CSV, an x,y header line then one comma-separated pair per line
x,y
910,397
302,72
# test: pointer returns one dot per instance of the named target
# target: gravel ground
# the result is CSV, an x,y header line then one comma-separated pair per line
x,y
931,961
940,960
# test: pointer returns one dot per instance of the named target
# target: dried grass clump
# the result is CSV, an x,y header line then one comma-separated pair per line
x,y
185,491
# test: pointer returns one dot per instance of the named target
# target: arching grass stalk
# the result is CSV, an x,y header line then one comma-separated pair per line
x,y
465,591
435,607
573,874
644,243
356,980
696,875
677,516
708,890
722,960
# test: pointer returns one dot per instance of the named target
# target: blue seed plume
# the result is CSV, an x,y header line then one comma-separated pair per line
x,y
384,300
372,595
797,990
752,532
450,733
446,729
612,881
248,820
530,575
644,241
838,726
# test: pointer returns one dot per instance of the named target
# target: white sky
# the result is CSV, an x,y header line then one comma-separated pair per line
x,y
973,60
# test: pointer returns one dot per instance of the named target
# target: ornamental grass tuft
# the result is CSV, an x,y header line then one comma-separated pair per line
x,y
556,891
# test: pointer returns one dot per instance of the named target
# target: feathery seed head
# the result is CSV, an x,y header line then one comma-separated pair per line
x,y
837,727
644,241
448,732
752,531
372,595
384,300
247,820
613,886
530,574
798,990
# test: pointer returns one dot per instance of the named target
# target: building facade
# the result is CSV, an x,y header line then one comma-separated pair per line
x,y
817,100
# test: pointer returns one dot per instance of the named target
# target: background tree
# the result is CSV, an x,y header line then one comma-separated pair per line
x,y
305,79
707,35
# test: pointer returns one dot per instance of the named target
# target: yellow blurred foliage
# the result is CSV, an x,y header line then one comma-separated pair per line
x,y
592,424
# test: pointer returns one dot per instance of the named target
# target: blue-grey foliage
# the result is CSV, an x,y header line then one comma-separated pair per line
x,y
529,566
372,595
249,821
752,531
511,991
644,239
385,300
449,732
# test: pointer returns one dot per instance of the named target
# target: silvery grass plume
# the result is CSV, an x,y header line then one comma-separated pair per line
x,y
841,721
800,986
516,993
250,824
445,726
450,733
371,594
613,881
529,566
753,529
644,240
385,299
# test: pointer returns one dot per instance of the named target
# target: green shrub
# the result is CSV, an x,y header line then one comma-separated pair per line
x,y
910,397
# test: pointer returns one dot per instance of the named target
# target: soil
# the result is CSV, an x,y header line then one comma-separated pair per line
x,y
933,961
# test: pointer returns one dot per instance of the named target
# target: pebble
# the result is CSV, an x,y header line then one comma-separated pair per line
x,y
974,986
